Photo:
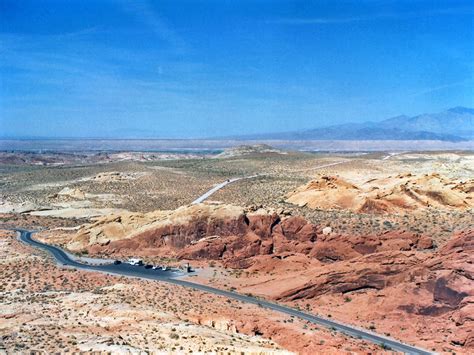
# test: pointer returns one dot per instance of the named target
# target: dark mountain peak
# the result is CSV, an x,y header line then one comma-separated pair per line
x,y
400,118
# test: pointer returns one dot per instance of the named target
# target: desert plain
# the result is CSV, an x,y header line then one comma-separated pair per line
x,y
378,240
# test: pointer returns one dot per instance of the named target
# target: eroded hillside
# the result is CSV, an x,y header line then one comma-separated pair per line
x,y
381,241
392,194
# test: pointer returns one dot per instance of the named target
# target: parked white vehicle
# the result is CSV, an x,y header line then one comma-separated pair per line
x,y
135,262
156,267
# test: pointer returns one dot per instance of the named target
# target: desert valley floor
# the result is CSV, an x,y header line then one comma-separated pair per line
x,y
380,240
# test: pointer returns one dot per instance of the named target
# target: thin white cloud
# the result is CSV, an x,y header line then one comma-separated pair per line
x,y
318,20
439,88
143,10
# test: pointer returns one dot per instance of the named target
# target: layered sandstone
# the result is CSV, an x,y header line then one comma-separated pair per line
x,y
404,192
288,259
230,234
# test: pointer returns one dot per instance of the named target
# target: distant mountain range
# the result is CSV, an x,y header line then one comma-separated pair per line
x,y
454,125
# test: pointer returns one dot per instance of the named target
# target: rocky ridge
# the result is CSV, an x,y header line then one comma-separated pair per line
x,y
297,262
392,194
229,234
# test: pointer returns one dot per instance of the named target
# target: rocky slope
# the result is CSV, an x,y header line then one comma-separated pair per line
x,y
404,192
230,234
435,288
447,273
288,259
47,309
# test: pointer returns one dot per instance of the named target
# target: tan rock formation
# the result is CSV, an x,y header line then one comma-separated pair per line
x,y
385,195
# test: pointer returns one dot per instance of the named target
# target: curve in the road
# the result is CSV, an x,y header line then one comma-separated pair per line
x,y
390,155
168,276
216,188
321,166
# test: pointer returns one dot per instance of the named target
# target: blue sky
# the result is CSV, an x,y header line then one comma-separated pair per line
x,y
210,68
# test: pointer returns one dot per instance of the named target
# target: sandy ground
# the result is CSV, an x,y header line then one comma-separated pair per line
x,y
48,308
42,304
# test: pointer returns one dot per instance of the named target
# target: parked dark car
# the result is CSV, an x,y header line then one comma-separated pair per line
x,y
117,262
148,266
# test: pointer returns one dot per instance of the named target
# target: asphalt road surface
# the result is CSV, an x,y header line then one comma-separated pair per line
x,y
170,277
218,187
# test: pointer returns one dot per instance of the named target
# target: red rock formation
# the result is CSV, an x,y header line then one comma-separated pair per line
x,y
401,271
447,274
342,247
236,240
435,287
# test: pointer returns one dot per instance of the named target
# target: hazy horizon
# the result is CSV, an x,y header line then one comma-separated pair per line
x,y
141,134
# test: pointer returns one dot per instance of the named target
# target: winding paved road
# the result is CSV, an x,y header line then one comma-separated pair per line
x,y
169,276
392,155
321,166
216,188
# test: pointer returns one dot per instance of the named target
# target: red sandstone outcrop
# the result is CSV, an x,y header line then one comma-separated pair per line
x,y
228,233
295,261
431,290
348,263
447,274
